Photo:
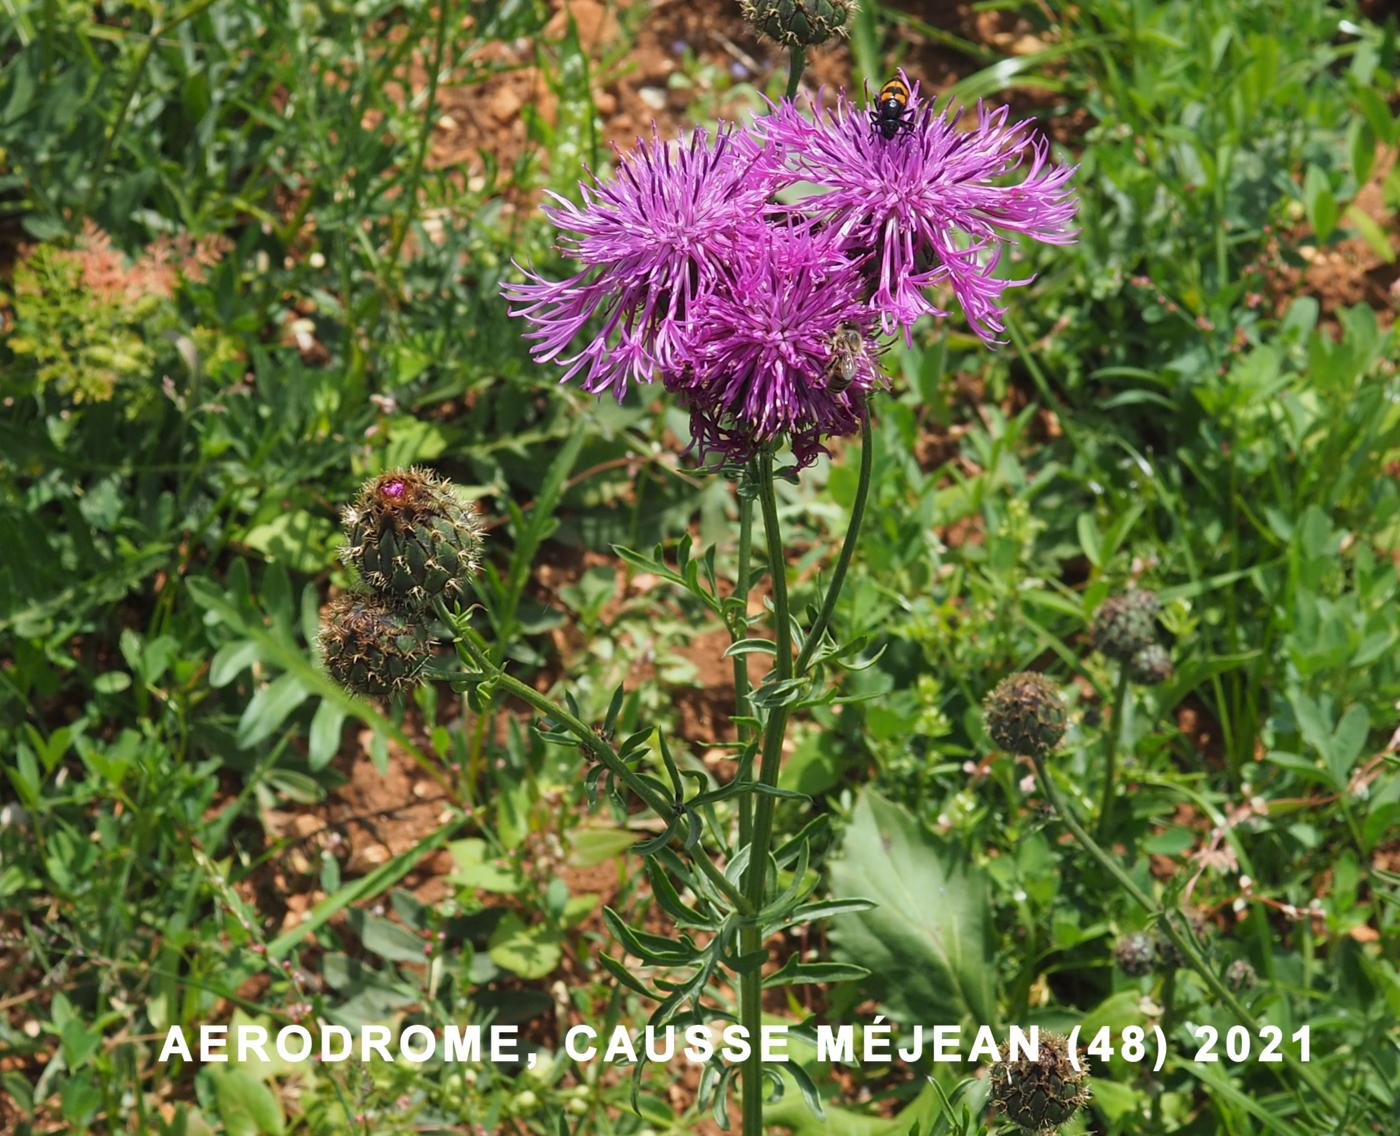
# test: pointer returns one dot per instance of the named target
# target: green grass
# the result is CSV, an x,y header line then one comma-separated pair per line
x,y
1169,409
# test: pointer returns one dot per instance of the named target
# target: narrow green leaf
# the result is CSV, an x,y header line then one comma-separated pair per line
x,y
323,742
269,708
231,660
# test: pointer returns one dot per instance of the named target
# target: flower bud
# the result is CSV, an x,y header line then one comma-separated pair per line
x,y
370,648
1168,957
1038,1096
411,539
1151,666
1136,954
798,23
1126,624
1025,715
1239,975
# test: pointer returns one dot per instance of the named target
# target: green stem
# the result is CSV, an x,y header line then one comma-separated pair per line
x,y
742,585
848,548
797,59
478,654
1168,1024
595,745
775,727
138,70
750,937
1182,942
609,757
415,173
1121,711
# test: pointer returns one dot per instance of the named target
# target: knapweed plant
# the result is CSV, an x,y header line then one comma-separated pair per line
x,y
1026,715
755,272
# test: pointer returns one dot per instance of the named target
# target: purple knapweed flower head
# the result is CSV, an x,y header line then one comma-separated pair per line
x,y
653,239
928,204
783,348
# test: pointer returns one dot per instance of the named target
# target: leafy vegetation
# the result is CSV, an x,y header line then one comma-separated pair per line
x,y
253,256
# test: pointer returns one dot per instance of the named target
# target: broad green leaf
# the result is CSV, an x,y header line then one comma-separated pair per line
x,y
112,682
1321,203
475,869
79,1043
1090,540
268,709
388,940
297,539
593,845
246,1106
324,738
231,660
1347,743
1114,1100
530,952
928,939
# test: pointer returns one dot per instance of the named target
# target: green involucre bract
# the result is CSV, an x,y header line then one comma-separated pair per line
x,y
1038,1096
1126,624
371,648
411,538
1025,714
1136,954
1151,666
799,23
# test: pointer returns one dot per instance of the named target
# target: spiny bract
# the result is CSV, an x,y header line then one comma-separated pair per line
x,y
798,23
1038,1096
411,539
1151,666
1026,714
1126,624
370,648
1169,958
1136,954
1240,975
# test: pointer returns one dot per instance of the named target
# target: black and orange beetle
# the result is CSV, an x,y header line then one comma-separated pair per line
x,y
891,114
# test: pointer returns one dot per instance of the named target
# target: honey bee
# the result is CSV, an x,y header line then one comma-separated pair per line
x,y
847,346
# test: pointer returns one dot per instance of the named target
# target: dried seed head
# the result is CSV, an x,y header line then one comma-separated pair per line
x,y
371,648
1239,975
1025,715
798,23
1126,624
1150,666
411,539
1136,954
1038,1096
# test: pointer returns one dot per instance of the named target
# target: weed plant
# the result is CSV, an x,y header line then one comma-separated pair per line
x,y
251,256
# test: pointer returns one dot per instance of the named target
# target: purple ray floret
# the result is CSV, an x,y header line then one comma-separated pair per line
x,y
931,205
753,270
782,349
653,240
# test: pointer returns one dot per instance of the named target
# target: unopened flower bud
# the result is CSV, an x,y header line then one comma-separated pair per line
x,y
1136,954
1025,715
1239,975
371,648
1038,1096
1151,666
1126,624
798,23
1169,958
411,538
